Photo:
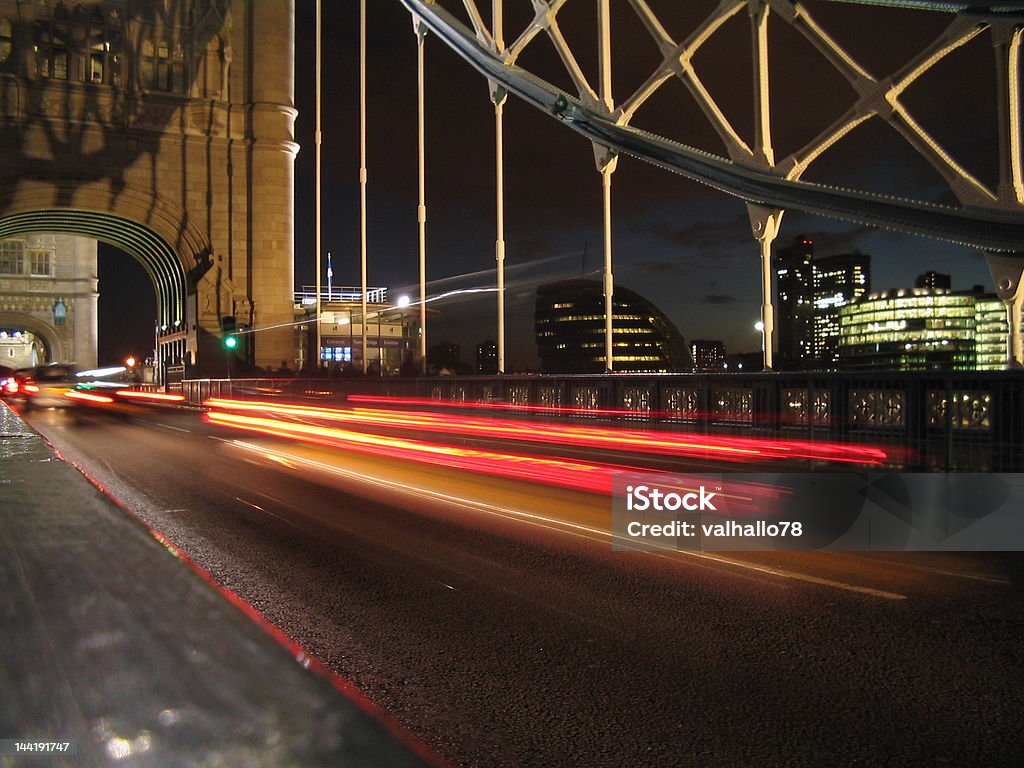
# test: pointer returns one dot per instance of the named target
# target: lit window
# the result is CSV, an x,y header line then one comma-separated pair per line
x,y
12,257
162,66
40,263
80,46
6,44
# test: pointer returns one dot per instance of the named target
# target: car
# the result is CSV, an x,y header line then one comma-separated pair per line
x,y
12,384
44,386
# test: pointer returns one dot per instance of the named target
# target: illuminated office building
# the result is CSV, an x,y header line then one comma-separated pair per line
x,y
990,330
809,293
838,281
569,322
924,329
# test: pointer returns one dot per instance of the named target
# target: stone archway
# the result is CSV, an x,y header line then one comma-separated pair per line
x,y
174,270
46,332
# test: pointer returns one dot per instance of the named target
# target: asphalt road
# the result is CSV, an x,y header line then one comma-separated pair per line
x,y
493,619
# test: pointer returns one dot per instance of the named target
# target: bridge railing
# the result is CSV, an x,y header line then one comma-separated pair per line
x,y
940,420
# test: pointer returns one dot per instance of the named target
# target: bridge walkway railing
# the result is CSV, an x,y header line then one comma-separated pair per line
x,y
932,420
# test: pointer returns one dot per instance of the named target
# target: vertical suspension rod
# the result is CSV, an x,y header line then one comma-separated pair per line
x,y
362,177
606,165
498,96
316,141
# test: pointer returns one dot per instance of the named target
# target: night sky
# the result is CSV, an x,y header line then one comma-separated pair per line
x,y
685,247
127,307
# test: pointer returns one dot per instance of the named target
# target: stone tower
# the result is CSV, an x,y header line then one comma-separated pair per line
x,y
48,301
164,127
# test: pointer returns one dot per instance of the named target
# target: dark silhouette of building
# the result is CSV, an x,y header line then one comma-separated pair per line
x,y
487,358
933,279
794,303
707,355
569,322
743,361
809,292
444,356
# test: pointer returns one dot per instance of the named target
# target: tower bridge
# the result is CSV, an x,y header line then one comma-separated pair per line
x,y
167,129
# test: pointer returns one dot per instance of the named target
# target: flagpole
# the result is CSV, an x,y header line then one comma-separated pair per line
x,y
330,278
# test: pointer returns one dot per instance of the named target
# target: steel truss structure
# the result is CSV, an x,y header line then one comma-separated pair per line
x,y
991,219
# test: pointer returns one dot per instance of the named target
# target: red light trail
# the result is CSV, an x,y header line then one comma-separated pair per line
x,y
682,444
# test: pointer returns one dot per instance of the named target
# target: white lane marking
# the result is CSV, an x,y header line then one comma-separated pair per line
x,y
168,426
925,569
267,512
272,498
802,577
447,585
583,531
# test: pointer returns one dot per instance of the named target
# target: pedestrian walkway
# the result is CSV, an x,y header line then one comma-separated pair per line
x,y
113,645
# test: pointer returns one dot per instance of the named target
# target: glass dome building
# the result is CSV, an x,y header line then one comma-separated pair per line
x,y
569,323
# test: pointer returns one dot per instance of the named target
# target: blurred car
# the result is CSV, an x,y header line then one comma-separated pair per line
x,y
44,386
11,382
118,399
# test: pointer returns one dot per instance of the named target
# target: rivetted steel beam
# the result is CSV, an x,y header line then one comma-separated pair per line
x,y
984,228
978,9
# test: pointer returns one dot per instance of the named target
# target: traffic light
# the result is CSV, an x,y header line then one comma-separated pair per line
x,y
228,329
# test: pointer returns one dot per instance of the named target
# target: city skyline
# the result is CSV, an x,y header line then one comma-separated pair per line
x,y
686,248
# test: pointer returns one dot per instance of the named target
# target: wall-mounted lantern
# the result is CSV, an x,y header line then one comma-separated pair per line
x,y
60,312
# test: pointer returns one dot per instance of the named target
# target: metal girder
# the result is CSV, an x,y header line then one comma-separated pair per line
x,y
1008,9
989,223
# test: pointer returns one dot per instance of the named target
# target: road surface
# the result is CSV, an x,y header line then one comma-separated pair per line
x,y
493,619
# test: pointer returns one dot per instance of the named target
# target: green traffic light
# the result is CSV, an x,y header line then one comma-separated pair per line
x,y
231,342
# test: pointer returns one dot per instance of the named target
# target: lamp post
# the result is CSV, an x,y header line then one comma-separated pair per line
x,y
421,211
498,96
